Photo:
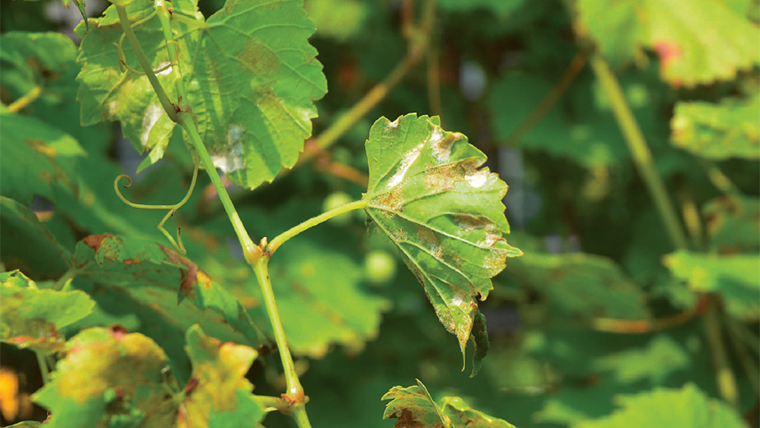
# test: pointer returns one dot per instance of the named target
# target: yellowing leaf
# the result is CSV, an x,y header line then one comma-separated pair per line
x,y
444,214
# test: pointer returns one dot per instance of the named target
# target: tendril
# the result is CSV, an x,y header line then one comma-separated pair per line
x,y
123,66
177,244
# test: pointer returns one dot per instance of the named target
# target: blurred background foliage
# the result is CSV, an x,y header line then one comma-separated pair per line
x,y
604,322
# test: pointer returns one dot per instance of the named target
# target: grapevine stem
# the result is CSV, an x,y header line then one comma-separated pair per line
x,y
44,370
281,238
172,48
295,396
724,375
24,101
144,63
640,152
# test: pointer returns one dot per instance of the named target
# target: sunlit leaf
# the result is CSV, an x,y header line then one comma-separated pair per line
x,y
36,158
733,224
687,407
218,394
27,244
173,286
655,362
734,276
718,131
31,317
697,42
109,378
338,19
250,74
414,407
444,214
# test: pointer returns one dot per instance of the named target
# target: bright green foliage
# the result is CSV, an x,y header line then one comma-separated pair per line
x,y
733,224
218,394
734,276
698,42
379,267
37,157
109,378
249,71
444,214
337,19
27,244
718,131
415,407
655,362
38,60
686,408
167,282
31,317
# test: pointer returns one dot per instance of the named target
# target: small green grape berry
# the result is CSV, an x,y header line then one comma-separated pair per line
x,y
335,200
379,267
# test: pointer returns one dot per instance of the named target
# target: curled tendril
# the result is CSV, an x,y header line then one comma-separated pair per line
x,y
177,244
123,66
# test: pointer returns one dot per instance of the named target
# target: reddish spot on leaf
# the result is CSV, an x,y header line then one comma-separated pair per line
x,y
191,384
94,241
118,331
668,52
191,276
135,261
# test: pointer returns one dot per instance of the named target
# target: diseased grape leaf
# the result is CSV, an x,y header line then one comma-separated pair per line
x,y
44,61
27,244
444,214
687,407
218,394
172,285
718,131
733,224
250,74
414,407
655,362
733,276
37,159
697,42
31,317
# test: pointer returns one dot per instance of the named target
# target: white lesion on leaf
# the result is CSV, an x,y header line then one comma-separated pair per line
x,y
230,157
406,162
152,114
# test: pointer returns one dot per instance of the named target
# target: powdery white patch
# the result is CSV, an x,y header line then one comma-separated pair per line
x,y
477,178
152,114
113,107
230,158
406,163
393,125
489,241
164,72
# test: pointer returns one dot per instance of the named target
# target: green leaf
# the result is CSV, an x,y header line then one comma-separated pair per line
x,y
32,317
718,131
109,378
655,362
733,276
337,19
698,42
444,214
218,394
414,407
169,283
37,159
499,7
27,244
251,78
38,60
733,224
687,407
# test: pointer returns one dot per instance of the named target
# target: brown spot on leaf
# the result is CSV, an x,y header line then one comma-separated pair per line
x,y
191,384
259,58
94,241
135,261
118,331
406,420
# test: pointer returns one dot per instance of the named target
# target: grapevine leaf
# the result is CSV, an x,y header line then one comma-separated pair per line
x,y
687,407
444,214
251,78
37,158
27,244
109,378
218,394
415,407
655,362
31,317
44,61
734,276
697,43
159,277
728,129
733,224
337,19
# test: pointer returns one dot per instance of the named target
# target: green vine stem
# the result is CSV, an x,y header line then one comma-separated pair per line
x,y
172,47
724,375
24,101
281,238
44,369
640,152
